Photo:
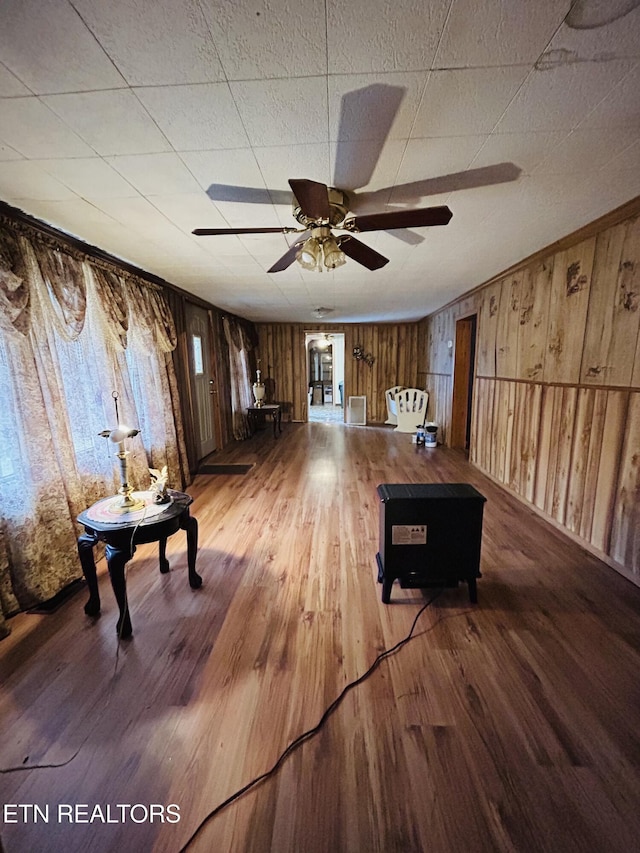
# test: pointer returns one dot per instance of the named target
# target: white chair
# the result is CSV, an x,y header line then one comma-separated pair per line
x,y
411,408
390,397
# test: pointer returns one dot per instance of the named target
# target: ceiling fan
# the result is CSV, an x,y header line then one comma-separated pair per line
x,y
319,209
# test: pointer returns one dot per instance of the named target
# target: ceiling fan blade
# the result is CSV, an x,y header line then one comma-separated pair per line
x,y
288,258
312,197
206,232
399,219
361,253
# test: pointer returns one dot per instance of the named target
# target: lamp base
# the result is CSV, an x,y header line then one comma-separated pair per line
x,y
126,504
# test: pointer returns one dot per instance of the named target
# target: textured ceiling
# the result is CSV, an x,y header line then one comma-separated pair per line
x,y
129,123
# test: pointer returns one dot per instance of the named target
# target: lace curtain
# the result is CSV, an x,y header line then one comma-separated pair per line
x,y
240,376
71,335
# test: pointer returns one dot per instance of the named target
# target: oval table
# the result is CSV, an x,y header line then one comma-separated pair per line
x,y
122,531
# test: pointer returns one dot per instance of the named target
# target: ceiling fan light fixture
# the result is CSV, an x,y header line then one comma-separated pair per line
x,y
310,255
333,255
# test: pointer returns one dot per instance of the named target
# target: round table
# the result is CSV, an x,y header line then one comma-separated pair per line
x,y
122,531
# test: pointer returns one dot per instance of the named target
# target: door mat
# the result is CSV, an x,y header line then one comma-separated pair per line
x,y
226,469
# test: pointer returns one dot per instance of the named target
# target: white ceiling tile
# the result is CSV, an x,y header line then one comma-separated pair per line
x,y
84,220
139,215
524,150
627,161
159,43
595,146
231,167
240,215
89,177
223,247
10,86
8,153
155,174
464,100
620,107
379,107
189,210
283,112
32,129
49,48
382,167
23,179
559,97
195,117
618,188
498,32
434,158
74,216
112,122
618,39
386,36
272,39
278,163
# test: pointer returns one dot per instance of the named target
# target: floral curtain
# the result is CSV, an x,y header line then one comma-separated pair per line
x,y
240,376
72,337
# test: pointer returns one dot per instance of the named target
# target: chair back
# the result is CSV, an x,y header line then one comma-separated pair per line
x,y
411,409
390,397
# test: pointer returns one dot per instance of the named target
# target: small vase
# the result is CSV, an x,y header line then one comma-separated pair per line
x,y
258,393
259,390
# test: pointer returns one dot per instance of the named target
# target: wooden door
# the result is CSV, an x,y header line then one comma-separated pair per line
x,y
203,389
463,373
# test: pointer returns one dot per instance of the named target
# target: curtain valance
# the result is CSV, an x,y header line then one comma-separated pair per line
x,y
15,293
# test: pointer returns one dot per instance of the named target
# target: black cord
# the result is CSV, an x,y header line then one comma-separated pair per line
x,y
311,732
18,767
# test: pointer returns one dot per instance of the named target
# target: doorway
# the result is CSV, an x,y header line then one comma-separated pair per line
x,y
463,376
202,382
324,355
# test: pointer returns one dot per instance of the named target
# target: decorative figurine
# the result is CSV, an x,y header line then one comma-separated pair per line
x,y
159,485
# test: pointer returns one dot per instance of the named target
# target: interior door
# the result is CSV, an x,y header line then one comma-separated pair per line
x,y
203,390
463,373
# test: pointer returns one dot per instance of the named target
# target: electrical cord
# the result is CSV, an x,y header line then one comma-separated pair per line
x,y
18,767
298,741
310,732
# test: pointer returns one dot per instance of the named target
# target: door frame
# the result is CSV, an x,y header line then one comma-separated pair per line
x,y
193,310
463,381
338,349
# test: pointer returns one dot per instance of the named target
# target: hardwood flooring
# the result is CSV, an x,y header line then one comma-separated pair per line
x,y
510,725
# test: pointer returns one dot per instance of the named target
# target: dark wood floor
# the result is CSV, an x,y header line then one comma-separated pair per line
x,y
510,725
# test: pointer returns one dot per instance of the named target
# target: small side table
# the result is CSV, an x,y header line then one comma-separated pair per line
x,y
122,534
271,409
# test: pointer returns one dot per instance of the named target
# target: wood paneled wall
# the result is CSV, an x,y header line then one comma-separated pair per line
x,y
556,407
395,346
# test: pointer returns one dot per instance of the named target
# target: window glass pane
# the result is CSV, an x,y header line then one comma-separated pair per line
x,y
198,364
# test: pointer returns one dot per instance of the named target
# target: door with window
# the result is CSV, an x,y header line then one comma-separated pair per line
x,y
203,386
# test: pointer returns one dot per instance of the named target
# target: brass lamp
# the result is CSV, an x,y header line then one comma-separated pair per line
x,y
259,390
118,436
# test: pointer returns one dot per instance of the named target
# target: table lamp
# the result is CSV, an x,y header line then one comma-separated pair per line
x,y
118,435
259,389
